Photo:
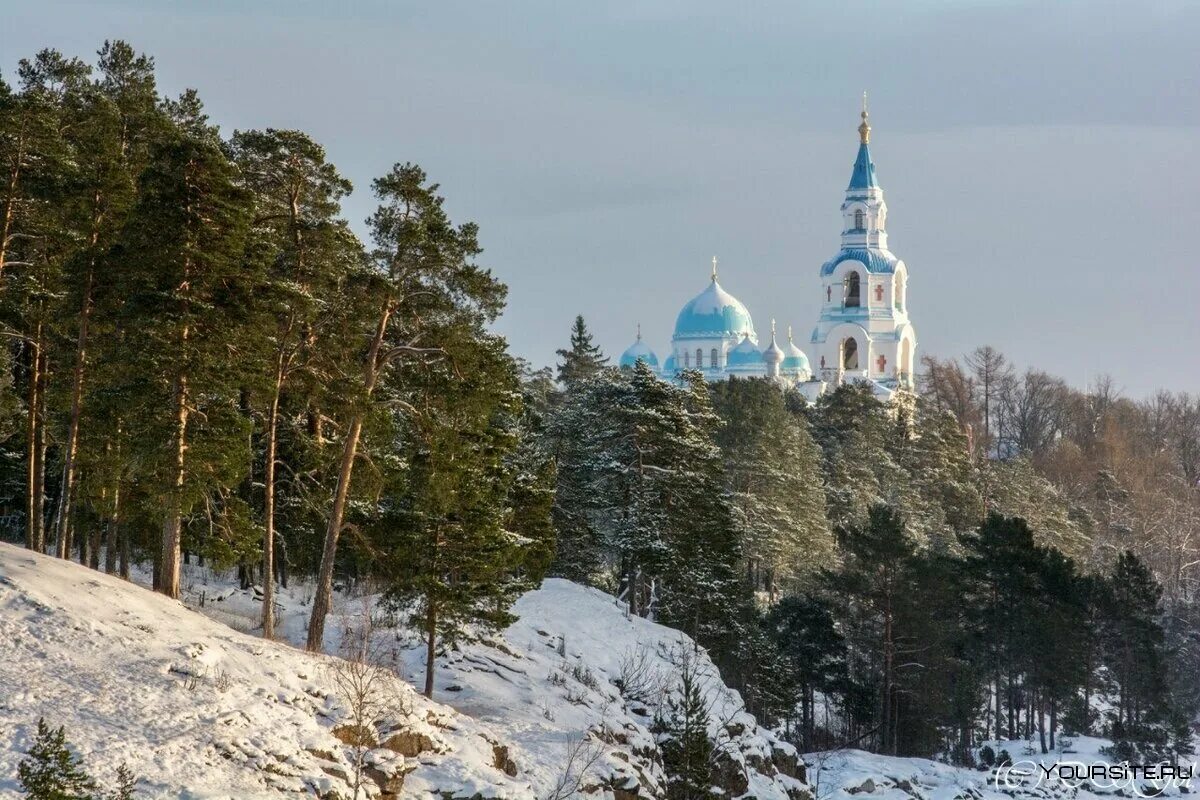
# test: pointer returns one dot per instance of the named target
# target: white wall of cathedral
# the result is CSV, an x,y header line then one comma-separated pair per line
x,y
698,353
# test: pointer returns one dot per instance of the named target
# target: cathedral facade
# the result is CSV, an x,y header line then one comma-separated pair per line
x,y
862,333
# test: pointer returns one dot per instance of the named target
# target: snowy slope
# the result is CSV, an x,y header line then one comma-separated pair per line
x,y
199,710
854,774
551,684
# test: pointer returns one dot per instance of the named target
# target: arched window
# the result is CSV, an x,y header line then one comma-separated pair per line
x,y
905,369
898,291
699,357
716,358
849,353
858,219
852,291
687,359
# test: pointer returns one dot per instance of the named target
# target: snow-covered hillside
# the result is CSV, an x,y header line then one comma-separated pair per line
x,y
198,710
560,705
572,685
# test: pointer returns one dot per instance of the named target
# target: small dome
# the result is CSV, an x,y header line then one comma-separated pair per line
x,y
795,362
669,367
713,313
773,354
638,351
745,359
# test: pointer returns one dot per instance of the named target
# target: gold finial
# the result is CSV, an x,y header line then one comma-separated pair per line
x,y
772,327
714,270
789,334
639,332
864,130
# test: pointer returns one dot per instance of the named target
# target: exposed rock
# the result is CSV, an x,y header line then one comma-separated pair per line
x,y
730,776
390,785
355,735
866,787
502,761
408,743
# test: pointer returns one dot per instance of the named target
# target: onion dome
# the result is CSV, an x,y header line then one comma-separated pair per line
x,y
773,355
713,313
795,363
745,359
638,351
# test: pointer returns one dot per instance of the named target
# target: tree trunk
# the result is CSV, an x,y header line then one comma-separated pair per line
x,y
1041,721
172,536
430,646
34,535
71,445
324,593
1053,720
10,201
268,560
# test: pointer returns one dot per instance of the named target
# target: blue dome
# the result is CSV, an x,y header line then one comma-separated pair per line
x,y
745,358
669,365
794,360
713,313
638,351
878,262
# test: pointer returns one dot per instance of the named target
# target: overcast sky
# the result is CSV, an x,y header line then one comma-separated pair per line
x,y
1039,159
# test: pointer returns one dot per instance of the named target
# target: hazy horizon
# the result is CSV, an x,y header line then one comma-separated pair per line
x,y
1037,160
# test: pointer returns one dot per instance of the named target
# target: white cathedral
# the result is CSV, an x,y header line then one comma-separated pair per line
x,y
863,333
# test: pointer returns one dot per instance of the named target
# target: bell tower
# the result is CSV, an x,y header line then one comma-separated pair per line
x,y
863,332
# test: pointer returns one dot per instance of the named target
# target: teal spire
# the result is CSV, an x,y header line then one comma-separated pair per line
x,y
863,176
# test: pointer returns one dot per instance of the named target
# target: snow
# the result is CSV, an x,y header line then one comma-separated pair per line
x,y
846,774
566,696
196,709
549,683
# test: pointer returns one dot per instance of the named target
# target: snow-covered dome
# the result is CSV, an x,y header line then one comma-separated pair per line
x,y
638,351
713,313
795,363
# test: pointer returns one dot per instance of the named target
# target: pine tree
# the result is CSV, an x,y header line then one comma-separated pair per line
x,y
114,124
51,771
184,295
806,632
875,585
453,553
296,194
583,359
425,283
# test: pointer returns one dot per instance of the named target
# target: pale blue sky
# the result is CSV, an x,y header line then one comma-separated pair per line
x,y
1039,159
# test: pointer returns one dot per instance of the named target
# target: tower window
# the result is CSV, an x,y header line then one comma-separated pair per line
x,y
850,354
687,359
716,358
699,358
858,219
852,291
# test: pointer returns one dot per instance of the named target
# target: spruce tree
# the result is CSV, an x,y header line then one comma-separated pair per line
x,y
583,359
684,740
51,771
